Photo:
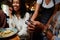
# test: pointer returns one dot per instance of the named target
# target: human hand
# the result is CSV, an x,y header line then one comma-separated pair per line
x,y
31,27
10,9
10,12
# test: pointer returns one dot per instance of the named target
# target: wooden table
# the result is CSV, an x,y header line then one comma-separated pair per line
x,y
14,37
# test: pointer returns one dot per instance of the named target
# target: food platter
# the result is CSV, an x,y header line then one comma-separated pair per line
x,y
7,32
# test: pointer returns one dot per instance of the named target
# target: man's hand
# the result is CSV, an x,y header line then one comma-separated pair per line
x,y
33,24
31,27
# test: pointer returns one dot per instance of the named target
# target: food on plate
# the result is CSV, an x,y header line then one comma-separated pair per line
x,y
6,33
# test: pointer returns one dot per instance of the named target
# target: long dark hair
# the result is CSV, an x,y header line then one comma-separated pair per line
x,y
22,8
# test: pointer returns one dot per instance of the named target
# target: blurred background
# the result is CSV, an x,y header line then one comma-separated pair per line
x,y
30,4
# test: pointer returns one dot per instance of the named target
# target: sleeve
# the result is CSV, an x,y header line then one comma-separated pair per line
x,y
24,26
27,16
4,20
11,23
23,30
39,1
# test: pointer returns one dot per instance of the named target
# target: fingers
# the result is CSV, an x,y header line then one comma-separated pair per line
x,y
49,35
36,23
30,24
31,28
10,8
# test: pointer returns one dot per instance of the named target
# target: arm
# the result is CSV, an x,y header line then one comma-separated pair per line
x,y
23,31
54,13
24,26
11,23
36,12
3,18
35,15
58,4
11,18
4,21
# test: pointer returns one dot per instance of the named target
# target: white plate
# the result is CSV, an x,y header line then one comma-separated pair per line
x,y
14,31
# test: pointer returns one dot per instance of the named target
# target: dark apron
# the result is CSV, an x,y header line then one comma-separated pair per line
x,y
45,14
43,17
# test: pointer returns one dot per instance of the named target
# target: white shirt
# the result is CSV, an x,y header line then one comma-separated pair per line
x,y
11,23
20,24
51,4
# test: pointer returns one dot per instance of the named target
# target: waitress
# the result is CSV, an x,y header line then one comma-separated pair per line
x,y
45,10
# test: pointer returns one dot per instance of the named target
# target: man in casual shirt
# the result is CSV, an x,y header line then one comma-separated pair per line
x,y
2,19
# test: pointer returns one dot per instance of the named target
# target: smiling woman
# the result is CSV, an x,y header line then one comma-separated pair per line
x,y
16,5
19,16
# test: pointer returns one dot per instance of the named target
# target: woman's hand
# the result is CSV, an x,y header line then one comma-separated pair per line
x,y
10,12
49,34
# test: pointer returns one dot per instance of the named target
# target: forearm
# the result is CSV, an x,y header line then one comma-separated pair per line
x,y
23,31
4,22
36,12
39,25
54,13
